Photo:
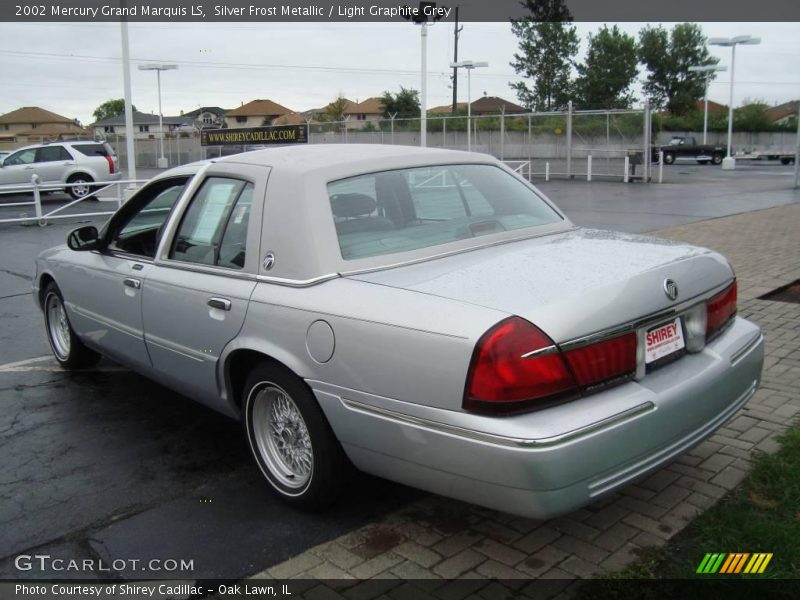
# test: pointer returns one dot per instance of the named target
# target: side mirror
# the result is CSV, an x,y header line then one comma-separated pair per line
x,y
83,238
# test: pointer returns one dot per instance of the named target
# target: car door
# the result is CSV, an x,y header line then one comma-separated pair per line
x,y
103,289
197,293
18,168
51,163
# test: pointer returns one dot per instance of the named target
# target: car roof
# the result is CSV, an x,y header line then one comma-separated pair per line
x,y
337,159
57,143
300,222
318,156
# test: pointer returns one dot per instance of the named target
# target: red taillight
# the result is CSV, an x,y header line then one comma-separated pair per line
x,y
603,361
720,309
110,164
501,380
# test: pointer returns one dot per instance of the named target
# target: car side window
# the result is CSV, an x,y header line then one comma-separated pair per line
x,y
23,157
52,153
139,233
213,230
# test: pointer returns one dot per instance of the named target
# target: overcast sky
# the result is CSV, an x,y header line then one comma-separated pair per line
x,y
72,68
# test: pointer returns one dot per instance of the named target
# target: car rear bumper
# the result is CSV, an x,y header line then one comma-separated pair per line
x,y
647,424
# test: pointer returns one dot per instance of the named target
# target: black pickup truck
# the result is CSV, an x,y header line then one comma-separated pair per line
x,y
687,147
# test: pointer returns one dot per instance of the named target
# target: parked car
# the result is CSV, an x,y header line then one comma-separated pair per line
x,y
426,315
687,147
75,164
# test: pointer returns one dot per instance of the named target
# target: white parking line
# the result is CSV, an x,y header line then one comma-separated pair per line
x,y
30,364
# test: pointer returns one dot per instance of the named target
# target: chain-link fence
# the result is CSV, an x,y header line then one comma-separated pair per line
x,y
558,144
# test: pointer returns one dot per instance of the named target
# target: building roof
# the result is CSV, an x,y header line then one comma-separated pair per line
x,y
447,109
212,109
33,114
782,111
140,118
790,104
493,104
293,118
258,108
713,107
370,106
52,130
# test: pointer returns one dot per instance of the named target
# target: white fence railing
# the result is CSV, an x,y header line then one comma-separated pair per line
x,y
38,189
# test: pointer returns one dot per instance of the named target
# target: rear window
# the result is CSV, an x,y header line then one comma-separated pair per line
x,y
94,149
408,209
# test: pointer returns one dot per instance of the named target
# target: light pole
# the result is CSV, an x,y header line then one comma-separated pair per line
x,y
707,69
425,13
162,161
469,65
729,163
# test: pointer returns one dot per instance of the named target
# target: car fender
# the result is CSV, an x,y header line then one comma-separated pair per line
x,y
271,351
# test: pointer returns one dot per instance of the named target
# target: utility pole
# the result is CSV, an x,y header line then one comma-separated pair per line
x,y
456,31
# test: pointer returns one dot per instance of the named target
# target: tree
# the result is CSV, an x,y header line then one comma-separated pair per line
x,y
405,103
605,77
111,108
752,116
548,45
667,58
336,109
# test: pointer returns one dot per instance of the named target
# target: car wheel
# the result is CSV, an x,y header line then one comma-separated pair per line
x,y
716,159
787,161
669,157
290,439
80,186
68,349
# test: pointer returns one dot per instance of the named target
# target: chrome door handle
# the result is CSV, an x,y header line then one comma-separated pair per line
x,y
29,167
132,283
221,303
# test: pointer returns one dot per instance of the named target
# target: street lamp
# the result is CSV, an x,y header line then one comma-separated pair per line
x,y
469,65
707,69
162,162
426,12
729,163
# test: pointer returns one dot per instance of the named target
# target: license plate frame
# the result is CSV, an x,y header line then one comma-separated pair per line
x,y
664,342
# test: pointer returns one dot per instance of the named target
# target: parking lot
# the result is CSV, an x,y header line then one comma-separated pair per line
x,y
106,464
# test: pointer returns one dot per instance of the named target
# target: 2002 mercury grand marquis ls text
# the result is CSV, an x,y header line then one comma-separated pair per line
x,y
426,315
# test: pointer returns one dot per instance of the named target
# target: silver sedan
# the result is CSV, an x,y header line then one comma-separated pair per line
x,y
427,316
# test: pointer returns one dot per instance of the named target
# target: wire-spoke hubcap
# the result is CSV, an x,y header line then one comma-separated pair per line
x,y
58,326
282,437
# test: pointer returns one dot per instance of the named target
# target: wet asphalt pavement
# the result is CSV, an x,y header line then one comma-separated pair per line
x,y
105,464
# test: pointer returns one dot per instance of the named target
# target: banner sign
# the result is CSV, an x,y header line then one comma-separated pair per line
x,y
251,136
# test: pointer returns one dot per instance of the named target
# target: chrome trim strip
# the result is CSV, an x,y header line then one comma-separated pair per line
x,y
741,352
645,321
298,283
105,322
671,450
553,349
491,438
208,270
171,347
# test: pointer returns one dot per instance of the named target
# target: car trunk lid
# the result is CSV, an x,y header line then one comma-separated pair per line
x,y
571,284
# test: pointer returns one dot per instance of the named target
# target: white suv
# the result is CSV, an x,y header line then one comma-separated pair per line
x,y
78,164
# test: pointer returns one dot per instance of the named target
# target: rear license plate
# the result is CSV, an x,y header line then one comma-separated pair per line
x,y
663,340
